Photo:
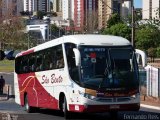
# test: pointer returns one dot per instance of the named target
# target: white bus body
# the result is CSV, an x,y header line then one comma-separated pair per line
x,y
84,81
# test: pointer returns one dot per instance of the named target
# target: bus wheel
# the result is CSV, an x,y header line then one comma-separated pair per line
x,y
28,108
64,109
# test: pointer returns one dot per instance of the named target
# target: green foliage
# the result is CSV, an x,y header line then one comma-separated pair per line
x,y
147,37
40,14
152,52
54,28
158,52
115,19
119,29
7,65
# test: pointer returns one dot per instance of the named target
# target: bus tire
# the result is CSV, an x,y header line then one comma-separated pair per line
x,y
64,109
28,108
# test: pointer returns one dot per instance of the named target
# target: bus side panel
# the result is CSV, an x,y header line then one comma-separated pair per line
x,y
37,94
27,87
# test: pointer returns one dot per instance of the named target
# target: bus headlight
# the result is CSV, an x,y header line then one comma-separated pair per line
x,y
89,96
135,96
86,95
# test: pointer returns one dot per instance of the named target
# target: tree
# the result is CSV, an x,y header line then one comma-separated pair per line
x,y
152,53
10,29
40,14
147,37
119,29
115,19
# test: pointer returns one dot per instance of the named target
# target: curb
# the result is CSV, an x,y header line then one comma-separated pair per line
x,y
149,106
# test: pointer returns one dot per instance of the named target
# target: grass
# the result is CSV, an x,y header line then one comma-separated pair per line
x,y
6,65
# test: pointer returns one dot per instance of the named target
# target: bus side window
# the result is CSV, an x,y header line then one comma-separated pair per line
x,y
59,57
24,65
47,59
31,63
70,55
39,62
53,56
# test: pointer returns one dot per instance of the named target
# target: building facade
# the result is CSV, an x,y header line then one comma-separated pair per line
x,y
57,5
150,9
105,9
10,7
37,5
126,8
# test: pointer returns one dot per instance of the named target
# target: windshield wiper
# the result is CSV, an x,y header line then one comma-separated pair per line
x,y
105,76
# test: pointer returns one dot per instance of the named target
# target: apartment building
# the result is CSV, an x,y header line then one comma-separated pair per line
x,y
150,9
105,9
126,8
57,5
80,12
10,7
37,5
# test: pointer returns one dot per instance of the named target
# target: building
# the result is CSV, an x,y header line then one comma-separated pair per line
x,y
19,6
37,5
66,9
105,9
80,13
57,5
11,7
126,8
150,9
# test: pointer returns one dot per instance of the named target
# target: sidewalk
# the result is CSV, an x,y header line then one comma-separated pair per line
x,y
150,102
7,93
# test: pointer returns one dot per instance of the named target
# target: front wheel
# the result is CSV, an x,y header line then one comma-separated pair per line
x,y
64,109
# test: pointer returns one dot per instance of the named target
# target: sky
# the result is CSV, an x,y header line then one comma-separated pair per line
x,y
138,3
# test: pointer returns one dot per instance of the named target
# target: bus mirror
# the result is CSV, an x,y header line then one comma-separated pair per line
x,y
141,58
77,56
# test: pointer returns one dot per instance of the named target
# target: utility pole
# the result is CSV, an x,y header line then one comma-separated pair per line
x,y
133,24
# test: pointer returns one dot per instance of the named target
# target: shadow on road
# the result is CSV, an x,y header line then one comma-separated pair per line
x,y
125,115
77,116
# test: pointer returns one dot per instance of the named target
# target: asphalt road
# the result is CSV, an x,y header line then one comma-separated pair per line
x,y
17,113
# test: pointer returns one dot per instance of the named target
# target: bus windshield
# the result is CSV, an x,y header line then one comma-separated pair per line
x,y
108,69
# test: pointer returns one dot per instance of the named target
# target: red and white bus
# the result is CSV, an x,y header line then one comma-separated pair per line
x,y
78,73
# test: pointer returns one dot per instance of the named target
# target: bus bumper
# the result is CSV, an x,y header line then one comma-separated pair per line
x,y
104,108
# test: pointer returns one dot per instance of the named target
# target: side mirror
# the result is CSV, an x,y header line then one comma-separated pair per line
x,y
77,56
141,57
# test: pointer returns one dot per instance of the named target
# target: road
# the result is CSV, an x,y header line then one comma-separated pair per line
x,y
17,112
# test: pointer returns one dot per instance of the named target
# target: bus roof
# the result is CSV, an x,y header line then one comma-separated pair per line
x,y
84,39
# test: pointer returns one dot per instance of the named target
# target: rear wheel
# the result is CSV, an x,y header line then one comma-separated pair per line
x,y
28,108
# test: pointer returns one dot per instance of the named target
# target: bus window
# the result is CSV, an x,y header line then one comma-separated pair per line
x,y
17,66
31,63
59,57
73,70
39,62
47,60
24,65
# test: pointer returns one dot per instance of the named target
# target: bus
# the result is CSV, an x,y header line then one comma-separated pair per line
x,y
79,73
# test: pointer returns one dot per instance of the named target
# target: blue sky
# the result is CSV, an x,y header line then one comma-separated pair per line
x,y
138,3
